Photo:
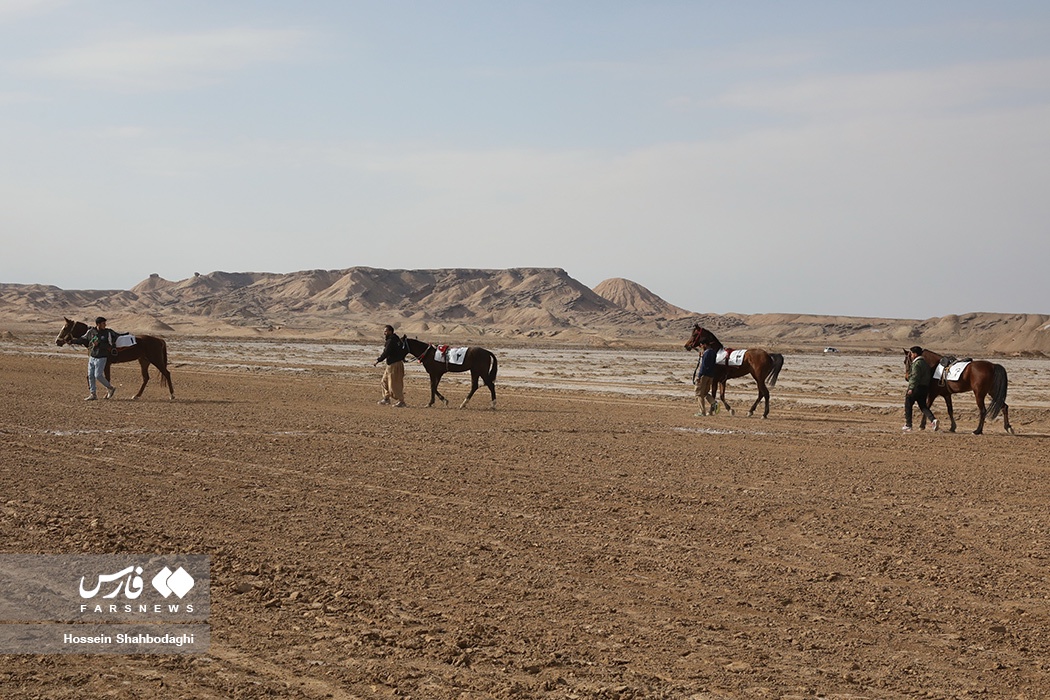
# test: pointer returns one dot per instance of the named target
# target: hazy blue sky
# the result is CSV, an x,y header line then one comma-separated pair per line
x,y
862,158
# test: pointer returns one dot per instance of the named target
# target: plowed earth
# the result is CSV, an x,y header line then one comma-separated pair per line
x,y
570,544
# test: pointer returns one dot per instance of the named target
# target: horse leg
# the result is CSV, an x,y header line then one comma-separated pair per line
x,y
474,376
434,379
1006,419
930,398
144,366
722,396
166,378
763,393
492,390
983,411
951,413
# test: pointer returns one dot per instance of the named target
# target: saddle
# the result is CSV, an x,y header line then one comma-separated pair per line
x,y
728,357
946,362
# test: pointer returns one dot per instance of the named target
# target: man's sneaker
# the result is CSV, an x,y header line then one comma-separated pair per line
x,y
91,397
906,429
112,390
714,408
383,402
699,414
935,426
400,404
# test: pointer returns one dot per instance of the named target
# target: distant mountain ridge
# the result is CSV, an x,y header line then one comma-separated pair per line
x,y
455,303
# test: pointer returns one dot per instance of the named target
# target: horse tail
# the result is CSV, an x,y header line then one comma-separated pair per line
x,y
778,364
164,376
999,384
495,366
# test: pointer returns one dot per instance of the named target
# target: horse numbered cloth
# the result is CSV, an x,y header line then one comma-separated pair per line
x,y
954,371
125,341
453,356
730,358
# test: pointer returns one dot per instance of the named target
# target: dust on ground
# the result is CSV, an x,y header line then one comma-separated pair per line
x,y
591,538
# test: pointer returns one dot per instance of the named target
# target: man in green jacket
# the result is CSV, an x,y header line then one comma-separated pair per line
x,y
919,377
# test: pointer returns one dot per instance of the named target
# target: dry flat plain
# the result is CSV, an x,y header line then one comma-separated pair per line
x,y
591,538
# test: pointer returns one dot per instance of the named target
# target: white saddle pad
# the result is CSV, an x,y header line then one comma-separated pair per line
x,y
125,341
955,371
454,356
730,359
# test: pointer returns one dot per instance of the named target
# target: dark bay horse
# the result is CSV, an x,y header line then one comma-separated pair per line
x,y
763,366
981,377
147,350
481,364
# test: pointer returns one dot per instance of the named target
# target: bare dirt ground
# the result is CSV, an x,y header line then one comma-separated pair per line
x,y
585,540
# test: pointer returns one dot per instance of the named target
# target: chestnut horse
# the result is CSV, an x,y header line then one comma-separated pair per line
x,y
763,366
147,350
481,364
981,377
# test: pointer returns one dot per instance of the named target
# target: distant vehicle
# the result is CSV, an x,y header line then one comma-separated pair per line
x,y
830,349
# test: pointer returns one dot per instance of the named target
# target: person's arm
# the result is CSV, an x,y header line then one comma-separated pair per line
x,y
386,352
82,340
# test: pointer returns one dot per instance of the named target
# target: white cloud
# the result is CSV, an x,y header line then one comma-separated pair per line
x,y
903,92
168,61
17,9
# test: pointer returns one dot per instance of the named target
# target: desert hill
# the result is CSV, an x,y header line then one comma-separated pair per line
x,y
517,304
634,297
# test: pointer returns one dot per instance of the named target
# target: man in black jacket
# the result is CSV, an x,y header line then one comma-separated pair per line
x,y
394,353
102,343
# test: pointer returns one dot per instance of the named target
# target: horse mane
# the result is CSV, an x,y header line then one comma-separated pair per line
x,y
710,338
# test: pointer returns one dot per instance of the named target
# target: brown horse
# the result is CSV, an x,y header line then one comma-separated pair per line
x,y
481,364
763,366
981,377
147,350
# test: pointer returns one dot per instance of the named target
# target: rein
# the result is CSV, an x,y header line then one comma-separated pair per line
x,y
419,358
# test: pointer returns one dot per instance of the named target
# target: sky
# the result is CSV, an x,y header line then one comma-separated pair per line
x,y
843,157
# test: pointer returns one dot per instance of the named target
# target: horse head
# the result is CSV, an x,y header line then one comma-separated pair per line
x,y
701,336
71,329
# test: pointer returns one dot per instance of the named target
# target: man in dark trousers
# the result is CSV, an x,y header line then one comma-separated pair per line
x,y
919,377
394,353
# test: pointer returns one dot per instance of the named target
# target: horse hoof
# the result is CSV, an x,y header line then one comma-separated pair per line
x,y
977,432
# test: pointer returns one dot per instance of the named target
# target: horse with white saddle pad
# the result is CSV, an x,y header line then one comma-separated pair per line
x,y
763,366
147,349
983,378
437,360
